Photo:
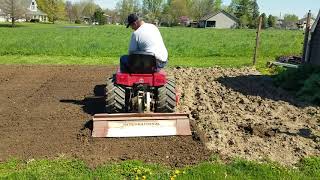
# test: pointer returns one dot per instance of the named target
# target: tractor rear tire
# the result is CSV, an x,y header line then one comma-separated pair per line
x,y
115,96
166,100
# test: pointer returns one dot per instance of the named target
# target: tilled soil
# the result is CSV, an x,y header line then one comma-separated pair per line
x,y
243,115
46,110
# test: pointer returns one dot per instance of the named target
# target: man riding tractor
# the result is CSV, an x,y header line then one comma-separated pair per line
x,y
147,39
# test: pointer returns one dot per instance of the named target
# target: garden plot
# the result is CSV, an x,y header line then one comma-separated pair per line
x,y
45,109
243,115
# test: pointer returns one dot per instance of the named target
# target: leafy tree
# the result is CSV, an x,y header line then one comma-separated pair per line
x,y
290,21
99,16
166,17
232,8
152,9
264,23
254,8
271,21
246,10
244,21
217,5
16,9
200,8
242,8
89,8
242,11
178,8
54,8
125,7
77,9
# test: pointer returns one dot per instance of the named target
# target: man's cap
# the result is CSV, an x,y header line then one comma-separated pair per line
x,y
132,18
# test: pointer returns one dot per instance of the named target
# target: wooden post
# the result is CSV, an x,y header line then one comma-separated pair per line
x,y
306,38
257,41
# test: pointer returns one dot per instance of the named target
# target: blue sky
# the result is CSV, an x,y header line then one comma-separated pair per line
x,y
274,7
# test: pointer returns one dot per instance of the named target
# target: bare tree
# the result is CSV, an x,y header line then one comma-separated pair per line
x,y
68,9
125,7
199,9
152,9
15,9
89,8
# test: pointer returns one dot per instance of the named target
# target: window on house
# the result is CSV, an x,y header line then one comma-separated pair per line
x,y
32,3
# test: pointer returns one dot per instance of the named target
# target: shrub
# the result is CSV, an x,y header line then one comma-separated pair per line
x,y
304,82
35,20
77,21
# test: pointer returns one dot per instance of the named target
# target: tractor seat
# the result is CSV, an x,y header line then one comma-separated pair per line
x,y
142,63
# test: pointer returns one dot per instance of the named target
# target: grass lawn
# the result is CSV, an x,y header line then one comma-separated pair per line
x,y
62,168
62,44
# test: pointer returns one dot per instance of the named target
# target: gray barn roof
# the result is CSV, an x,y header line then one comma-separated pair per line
x,y
208,16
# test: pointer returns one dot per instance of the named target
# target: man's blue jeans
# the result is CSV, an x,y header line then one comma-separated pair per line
x,y
124,63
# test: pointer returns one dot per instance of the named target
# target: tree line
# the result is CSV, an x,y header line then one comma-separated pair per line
x,y
162,12
55,10
172,12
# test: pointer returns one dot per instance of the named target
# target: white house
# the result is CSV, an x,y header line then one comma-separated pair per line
x,y
220,20
32,13
3,16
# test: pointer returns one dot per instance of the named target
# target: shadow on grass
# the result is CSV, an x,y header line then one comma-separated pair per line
x,y
261,85
10,26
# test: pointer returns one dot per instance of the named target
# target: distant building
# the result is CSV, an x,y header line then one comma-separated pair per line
x,y
33,13
219,20
3,16
302,23
313,46
279,23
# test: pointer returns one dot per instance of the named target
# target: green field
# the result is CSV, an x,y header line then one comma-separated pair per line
x,y
62,168
56,44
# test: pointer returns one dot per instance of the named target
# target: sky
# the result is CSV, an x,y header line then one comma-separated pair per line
x,y
274,7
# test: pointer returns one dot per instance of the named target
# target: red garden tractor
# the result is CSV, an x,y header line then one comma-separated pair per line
x,y
140,101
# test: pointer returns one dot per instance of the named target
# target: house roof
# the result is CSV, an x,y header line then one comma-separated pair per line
x,y
38,12
208,16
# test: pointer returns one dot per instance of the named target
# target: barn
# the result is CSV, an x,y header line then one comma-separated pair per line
x,y
219,20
